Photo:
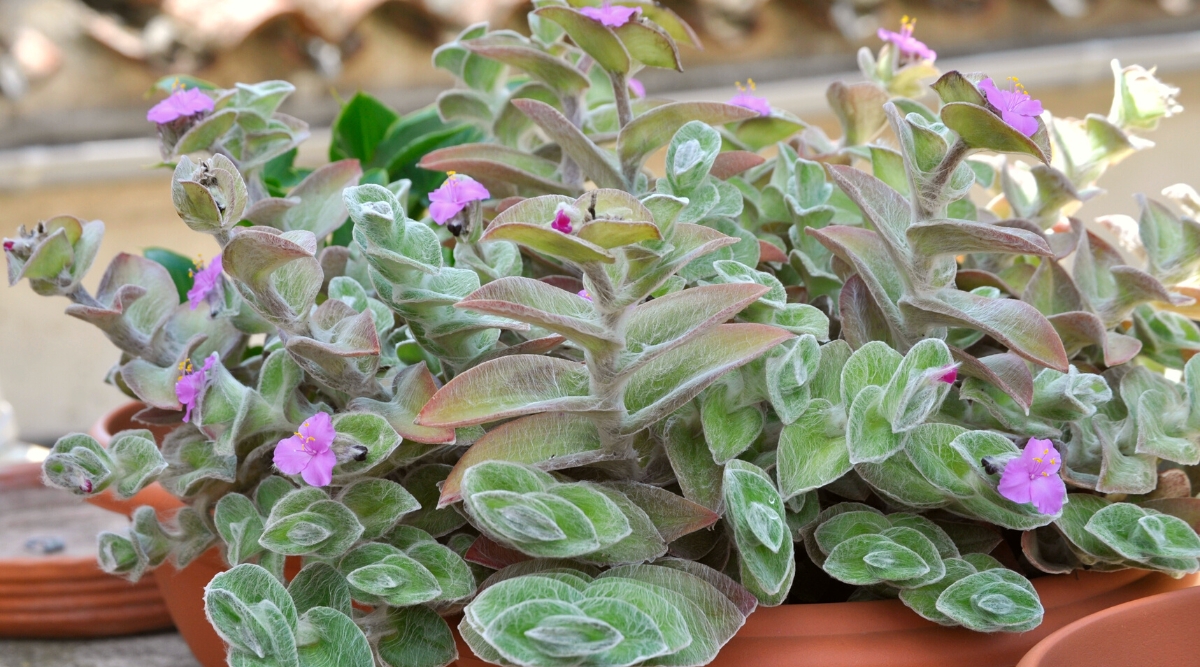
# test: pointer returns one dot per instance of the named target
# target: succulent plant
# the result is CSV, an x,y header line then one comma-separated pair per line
x,y
594,407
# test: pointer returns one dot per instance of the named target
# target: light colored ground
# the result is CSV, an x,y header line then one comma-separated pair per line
x,y
52,366
157,650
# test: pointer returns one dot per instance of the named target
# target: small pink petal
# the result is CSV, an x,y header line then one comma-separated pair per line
x,y
290,456
752,102
950,375
562,222
638,88
320,469
180,104
1047,493
611,16
320,428
442,212
583,294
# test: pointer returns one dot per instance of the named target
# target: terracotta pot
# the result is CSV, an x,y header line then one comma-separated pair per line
x,y
68,595
852,634
182,590
1154,631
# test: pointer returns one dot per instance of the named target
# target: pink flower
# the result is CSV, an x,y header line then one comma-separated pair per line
x,y
206,282
1016,107
905,43
609,15
639,90
309,452
453,196
180,104
748,100
583,294
189,386
9,244
1033,477
949,374
562,222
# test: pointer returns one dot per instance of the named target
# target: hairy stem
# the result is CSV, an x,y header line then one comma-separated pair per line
x,y
620,86
603,364
929,200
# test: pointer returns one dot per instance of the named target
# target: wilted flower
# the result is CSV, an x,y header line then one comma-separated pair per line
x,y
610,15
309,452
180,104
1016,107
206,283
905,43
1140,98
748,100
562,222
1033,477
189,386
453,196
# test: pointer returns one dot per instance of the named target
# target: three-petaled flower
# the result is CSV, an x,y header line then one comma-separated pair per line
x,y
1016,107
562,222
206,283
748,100
906,44
309,452
1033,477
453,196
189,386
610,15
180,104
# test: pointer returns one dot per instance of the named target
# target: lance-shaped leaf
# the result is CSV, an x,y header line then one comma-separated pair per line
x,y
254,614
508,387
698,475
548,441
859,110
649,45
653,129
1172,243
956,237
135,295
276,273
239,525
539,304
416,637
674,378
314,205
982,129
411,390
688,242
550,242
378,504
731,163
595,39
673,515
1112,288
1015,324
595,161
729,427
1007,372
552,71
866,251
887,210
812,451
755,510
498,165
662,324
345,354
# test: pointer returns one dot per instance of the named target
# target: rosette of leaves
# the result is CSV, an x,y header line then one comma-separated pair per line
x,y
909,555
642,361
569,81
548,612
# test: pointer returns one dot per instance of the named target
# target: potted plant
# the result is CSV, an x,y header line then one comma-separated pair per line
x,y
597,416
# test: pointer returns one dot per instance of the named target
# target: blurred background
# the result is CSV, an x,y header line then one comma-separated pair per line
x,y
75,76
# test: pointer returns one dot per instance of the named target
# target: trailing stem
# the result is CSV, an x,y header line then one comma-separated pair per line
x,y
606,383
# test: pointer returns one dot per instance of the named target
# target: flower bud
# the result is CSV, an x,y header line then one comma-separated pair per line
x,y
1140,99
211,196
54,255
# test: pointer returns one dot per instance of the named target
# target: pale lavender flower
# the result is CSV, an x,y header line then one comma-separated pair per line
x,y
1016,107
309,452
1033,477
905,43
189,386
748,100
205,283
453,196
180,104
610,15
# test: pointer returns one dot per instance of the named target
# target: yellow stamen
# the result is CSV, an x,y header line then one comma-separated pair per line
x,y
1038,460
1045,452
750,82
1045,474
